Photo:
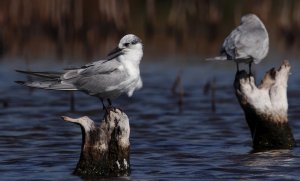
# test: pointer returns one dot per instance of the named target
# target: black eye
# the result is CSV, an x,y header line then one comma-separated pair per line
x,y
126,44
134,42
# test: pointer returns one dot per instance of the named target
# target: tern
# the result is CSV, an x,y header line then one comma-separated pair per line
x,y
247,43
117,74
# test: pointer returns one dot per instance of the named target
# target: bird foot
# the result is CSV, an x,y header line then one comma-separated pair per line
x,y
111,108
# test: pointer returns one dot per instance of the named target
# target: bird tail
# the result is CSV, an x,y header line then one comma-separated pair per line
x,y
51,75
48,84
52,81
237,59
219,58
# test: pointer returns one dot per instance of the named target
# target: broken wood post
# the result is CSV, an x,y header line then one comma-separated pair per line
x,y
266,108
105,148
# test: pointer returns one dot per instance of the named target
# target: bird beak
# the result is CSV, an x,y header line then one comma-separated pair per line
x,y
115,53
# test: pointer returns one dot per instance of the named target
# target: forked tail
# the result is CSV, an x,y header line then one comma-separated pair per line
x,y
219,58
48,80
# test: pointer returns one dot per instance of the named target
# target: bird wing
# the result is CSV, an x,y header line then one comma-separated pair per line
x,y
93,78
51,75
251,43
47,80
243,43
51,84
229,45
98,77
101,67
94,68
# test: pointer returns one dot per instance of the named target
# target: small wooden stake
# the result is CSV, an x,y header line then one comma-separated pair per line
x,y
105,148
266,107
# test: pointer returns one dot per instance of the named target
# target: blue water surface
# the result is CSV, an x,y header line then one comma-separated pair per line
x,y
169,141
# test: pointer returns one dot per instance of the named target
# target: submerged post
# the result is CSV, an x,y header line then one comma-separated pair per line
x,y
266,107
105,148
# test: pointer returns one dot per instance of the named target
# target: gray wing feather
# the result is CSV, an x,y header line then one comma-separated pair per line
x,y
244,42
48,84
41,74
251,43
99,67
94,78
48,80
230,42
103,84
97,77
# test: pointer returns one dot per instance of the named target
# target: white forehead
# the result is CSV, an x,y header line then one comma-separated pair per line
x,y
129,38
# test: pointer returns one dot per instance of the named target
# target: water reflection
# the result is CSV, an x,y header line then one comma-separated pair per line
x,y
274,158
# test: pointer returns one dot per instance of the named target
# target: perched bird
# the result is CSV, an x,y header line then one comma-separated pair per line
x,y
106,79
247,43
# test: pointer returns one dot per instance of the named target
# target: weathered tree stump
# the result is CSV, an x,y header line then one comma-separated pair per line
x,y
266,107
105,148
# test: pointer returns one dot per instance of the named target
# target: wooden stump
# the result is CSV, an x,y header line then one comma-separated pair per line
x,y
105,148
266,107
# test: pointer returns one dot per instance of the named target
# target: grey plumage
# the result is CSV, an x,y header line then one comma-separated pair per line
x,y
247,43
107,79
41,74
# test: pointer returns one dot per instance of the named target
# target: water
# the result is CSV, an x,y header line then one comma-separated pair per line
x,y
167,143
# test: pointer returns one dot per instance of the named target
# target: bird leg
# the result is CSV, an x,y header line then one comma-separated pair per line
x,y
109,102
250,71
103,106
110,105
250,66
237,66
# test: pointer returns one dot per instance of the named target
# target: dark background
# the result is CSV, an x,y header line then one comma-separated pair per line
x,y
88,29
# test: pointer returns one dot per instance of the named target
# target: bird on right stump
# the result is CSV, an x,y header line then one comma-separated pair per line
x,y
247,43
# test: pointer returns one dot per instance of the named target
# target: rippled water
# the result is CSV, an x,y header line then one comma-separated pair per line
x,y
167,143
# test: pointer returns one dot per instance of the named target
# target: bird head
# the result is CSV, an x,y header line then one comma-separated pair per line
x,y
130,42
250,18
130,45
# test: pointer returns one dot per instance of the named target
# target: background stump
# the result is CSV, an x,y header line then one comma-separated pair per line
x,y
105,148
266,107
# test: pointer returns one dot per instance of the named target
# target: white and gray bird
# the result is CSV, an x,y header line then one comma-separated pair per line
x,y
106,79
247,43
